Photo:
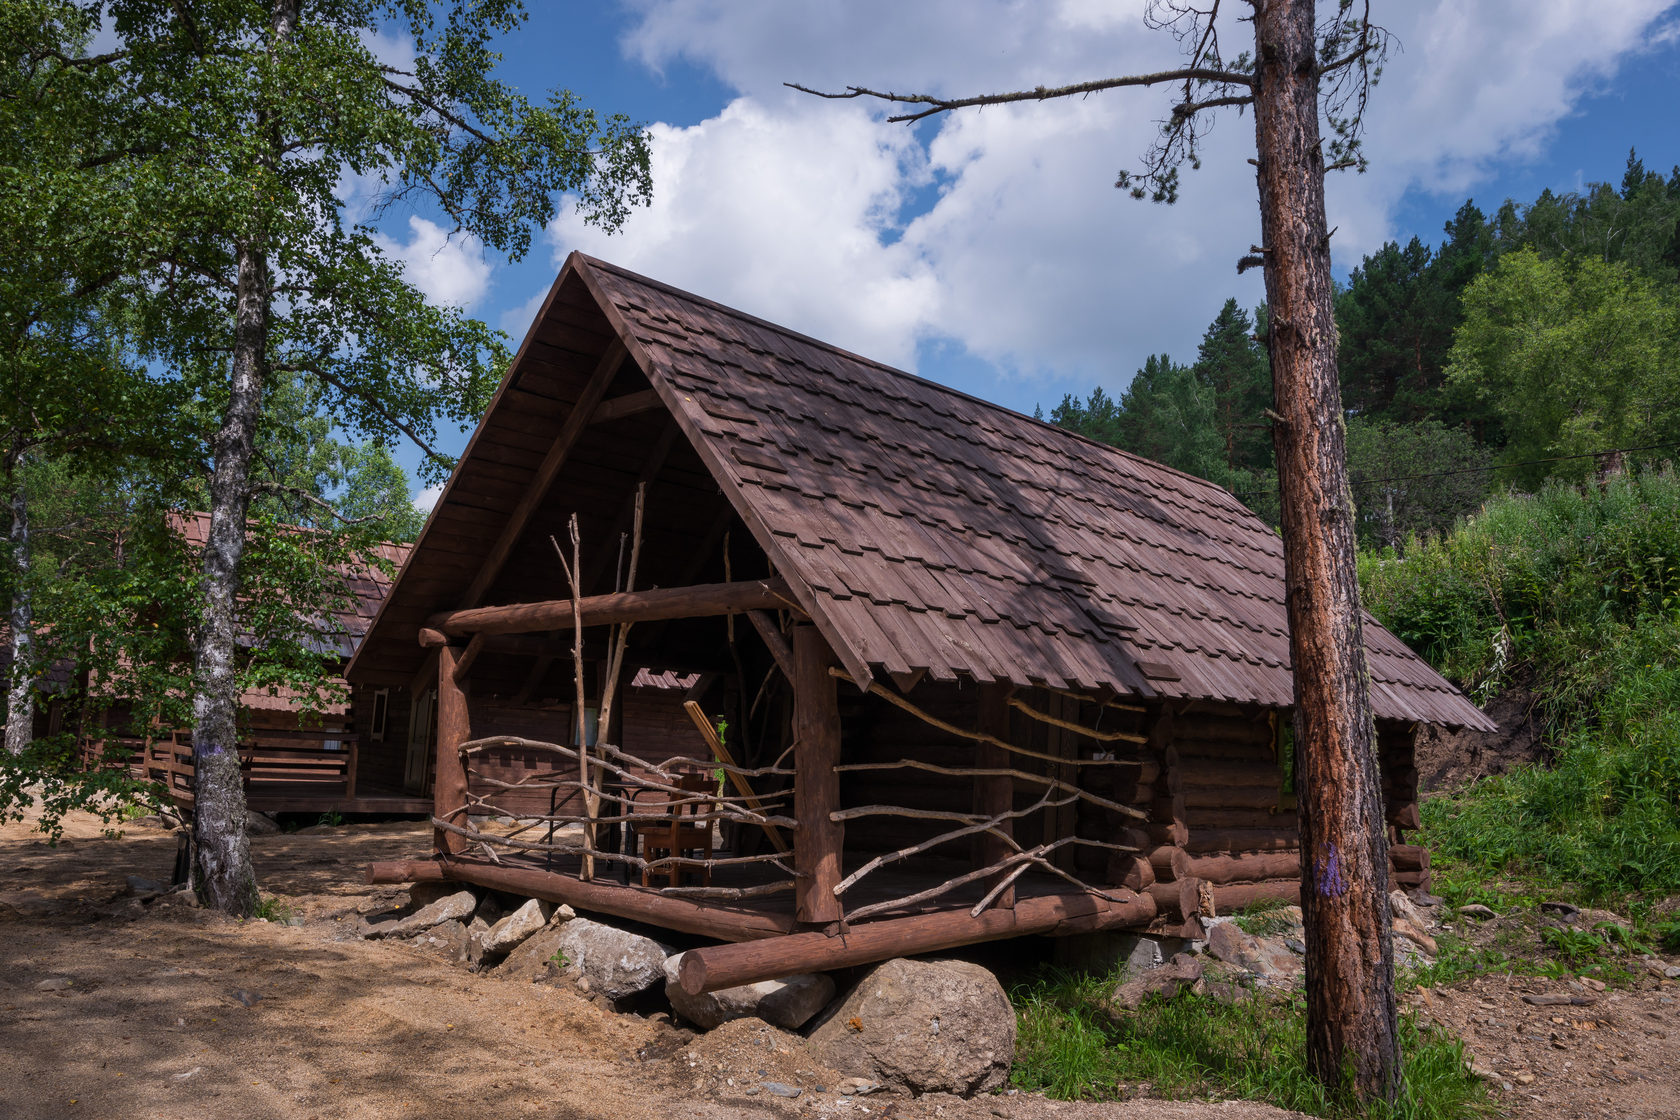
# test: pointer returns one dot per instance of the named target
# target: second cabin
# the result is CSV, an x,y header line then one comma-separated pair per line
x,y
724,629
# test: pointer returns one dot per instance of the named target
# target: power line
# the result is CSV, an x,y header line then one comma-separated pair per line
x,y
1494,467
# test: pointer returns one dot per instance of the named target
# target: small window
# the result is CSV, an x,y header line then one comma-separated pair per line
x,y
381,705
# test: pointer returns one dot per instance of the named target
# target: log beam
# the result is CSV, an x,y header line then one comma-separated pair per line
x,y
700,601
449,781
702,919
713,967
816,783
630,404
577,420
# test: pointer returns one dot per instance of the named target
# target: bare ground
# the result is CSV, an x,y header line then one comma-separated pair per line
x,y
172,1013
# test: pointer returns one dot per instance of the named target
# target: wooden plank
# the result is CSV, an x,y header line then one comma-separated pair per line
x,y
816,783
739,781
449,785
576,422
774,641
699,601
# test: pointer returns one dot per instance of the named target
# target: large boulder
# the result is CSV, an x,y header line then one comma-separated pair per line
x,y
612,962
455,907
509,932
1168,980
1268,960
537,957
789,1002
927,1026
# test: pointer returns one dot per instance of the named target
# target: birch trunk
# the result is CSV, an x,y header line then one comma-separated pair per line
x,y
221,850
1351,1035
20,694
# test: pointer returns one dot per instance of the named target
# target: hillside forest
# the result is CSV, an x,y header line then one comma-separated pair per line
x,y
1539,342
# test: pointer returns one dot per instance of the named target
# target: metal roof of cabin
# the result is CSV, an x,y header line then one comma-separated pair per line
x,y
926,530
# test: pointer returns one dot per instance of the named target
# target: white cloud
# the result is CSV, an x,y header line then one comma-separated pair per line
x,y
787,212
448,268
1017,249
427,498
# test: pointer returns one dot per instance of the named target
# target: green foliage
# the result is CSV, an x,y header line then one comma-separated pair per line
x,y
275,909
1263,917
1577,590
1412,479
1574,355
1072,1048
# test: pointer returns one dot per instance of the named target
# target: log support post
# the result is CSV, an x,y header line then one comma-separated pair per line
x,y
449,784
816,782
994,794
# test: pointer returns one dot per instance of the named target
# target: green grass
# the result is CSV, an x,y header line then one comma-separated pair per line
x,y
1263,917
274,909
1071,1048
1576,592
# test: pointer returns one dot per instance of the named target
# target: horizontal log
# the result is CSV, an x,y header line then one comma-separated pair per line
x,y
712,967
1169,862
699,601
1179,899
1409,857
1201,773
1406,816
1246,868
1243,840
1237,797
1174,833
1130,871
634,903
1410,878
1199,817
1231,897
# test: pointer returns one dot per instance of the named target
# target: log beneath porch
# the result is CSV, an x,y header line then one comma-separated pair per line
x,y
634,903
660,603
714,967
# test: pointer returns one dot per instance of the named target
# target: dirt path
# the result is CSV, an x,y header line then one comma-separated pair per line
x,y
171,1013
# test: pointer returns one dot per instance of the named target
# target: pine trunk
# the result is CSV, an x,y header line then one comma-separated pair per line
x,y
20,694
221,849
1351,1031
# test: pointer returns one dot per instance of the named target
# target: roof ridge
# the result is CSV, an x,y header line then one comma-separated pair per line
x,y
747,316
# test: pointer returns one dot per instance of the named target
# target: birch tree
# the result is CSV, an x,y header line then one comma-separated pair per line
x,y
1305,83
258,115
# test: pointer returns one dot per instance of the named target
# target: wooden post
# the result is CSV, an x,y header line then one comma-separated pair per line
x,y
449,784
994,794
816,784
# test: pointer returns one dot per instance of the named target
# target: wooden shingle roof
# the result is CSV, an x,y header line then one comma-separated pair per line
x,y
926,530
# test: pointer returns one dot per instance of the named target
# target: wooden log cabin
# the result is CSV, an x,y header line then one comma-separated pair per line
x,y
954,674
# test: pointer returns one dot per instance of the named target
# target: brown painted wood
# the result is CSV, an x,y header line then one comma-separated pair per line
x,y
1237,797
1204,841
464,663
1231,897
449,785
994,794
432,639
577,420
603,896
816,784
713,967
1246,868
1169,862
1134,872
1409,857
699,601
1406,816
773,641
630,404
1179,899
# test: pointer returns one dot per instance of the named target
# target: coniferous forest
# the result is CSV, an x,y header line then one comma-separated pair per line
x,y
1538,342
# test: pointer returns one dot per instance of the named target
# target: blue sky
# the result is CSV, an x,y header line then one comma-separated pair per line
x,y
989,250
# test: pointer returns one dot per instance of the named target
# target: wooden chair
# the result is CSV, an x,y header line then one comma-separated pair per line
x,y
676,832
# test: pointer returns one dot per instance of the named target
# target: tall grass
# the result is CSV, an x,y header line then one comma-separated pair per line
x,y
1575,591
1071,1048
